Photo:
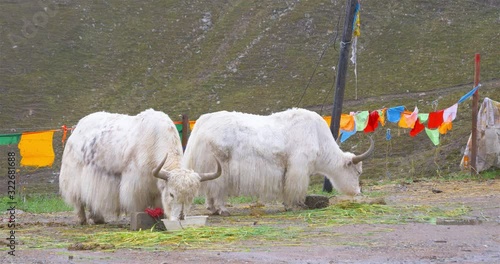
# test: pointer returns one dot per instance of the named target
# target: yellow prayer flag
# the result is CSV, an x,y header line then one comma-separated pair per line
x,y
36,148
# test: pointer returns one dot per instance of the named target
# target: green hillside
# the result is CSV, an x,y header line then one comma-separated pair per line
x,y
61,60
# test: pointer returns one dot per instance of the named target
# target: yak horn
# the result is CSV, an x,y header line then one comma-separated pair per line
x,y
211,176
359,158
159,173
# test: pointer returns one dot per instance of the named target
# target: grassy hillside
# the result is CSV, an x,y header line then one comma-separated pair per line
x,y
61,60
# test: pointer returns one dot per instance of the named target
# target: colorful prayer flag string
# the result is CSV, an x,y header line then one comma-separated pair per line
x,y
36,147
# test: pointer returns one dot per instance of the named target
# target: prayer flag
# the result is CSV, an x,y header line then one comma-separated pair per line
x,y
36,148
372,122
417,128
381,116
328,120
435,119
423,118
361,120
347,122
469,94
345,134
411,118
433,134
445,127
450,113
9,139
394,113
405,118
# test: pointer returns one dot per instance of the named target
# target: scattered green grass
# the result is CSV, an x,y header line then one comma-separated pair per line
x,y
231,200
199,200
491,174
317,188
241,200
37,203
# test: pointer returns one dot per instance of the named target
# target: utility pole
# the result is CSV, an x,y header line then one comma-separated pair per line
x,y
475,101
345,46
185,130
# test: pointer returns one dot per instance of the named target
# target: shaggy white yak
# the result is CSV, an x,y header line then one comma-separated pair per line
x,y
269,157
114,163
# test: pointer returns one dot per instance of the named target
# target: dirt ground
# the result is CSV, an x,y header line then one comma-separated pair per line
x,y
474,238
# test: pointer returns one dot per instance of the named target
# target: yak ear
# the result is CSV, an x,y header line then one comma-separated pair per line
x,y
211,176
160,173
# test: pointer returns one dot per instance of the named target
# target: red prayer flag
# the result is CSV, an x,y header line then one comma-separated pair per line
x,y
372,122
417,128
435,119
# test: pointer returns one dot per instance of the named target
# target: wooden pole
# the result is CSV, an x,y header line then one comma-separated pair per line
x,y
345,46
185,130
475,101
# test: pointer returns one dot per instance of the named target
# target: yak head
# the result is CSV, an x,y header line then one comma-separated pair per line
x,y
346,176
179,187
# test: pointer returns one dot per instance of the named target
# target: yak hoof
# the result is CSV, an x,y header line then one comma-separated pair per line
x,y
97,221
82,222
221,212
224,213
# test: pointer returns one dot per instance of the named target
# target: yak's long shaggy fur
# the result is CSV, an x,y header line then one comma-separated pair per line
x,y
108,161
269,157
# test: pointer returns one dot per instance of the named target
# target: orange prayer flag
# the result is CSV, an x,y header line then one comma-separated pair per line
x,y
36,148
347,122
445,127
328,120
403,122
65,133
191,125
381,116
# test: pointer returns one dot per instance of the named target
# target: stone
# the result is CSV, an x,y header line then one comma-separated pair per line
x,y
141,220
461,221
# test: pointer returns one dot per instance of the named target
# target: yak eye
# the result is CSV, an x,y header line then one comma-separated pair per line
x,y
171,195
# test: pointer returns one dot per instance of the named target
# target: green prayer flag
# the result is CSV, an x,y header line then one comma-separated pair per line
x,y
433,134
361,120
423,118
9,139
179,129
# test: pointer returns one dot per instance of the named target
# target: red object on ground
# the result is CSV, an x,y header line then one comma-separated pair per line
x,y
155,213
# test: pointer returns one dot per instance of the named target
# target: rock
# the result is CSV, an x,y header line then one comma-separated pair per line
x,y
462,221
141,220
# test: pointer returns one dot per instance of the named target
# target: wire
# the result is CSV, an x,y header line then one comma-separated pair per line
x,y
326,97
333,40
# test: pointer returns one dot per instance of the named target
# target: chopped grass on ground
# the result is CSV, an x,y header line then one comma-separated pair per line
x,y
286,228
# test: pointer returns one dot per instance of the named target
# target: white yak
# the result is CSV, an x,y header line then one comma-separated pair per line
x,y
269,157
114,163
